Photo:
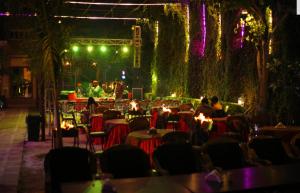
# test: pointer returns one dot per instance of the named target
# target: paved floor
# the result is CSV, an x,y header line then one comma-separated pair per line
x,y
12,135
21,161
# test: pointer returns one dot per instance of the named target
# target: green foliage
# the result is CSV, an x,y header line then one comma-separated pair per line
x,y
171,67
284,89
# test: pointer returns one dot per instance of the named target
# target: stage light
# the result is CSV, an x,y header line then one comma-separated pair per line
x,y
90,48
103,48
75,48
125,49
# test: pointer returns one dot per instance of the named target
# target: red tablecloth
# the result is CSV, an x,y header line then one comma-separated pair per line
x,y
97,125
146,141
117,131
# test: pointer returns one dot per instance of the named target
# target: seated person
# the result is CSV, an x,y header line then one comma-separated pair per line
x,y
217,108
204,108
91,105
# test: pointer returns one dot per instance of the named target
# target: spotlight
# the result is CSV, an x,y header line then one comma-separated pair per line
x,y
75,48
90,48
103,48
125,49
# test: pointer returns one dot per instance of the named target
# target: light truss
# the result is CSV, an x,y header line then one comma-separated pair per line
x,y
98,41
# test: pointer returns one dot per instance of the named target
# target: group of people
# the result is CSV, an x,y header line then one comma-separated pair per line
x,y
96,90
212,110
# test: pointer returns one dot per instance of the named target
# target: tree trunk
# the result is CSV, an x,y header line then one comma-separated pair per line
x,y
262,71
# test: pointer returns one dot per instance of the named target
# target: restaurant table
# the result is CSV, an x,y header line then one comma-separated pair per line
x,y
245,179
117,130
286,133
254,179
144,140
129,185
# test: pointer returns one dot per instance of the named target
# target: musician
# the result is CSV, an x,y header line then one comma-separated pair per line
x,y
95,89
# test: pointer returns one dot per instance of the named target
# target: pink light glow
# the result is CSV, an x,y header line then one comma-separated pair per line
x,y
97,18
242,33
203,30
116,4
199,42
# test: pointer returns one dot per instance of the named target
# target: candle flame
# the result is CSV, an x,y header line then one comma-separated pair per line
x,y
202,118
66,125
165,109
133,105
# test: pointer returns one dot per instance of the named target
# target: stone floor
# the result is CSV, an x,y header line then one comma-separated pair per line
x,y
21,161
12,135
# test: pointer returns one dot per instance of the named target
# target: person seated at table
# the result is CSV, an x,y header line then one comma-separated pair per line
x,y
204,108
91,105
217,108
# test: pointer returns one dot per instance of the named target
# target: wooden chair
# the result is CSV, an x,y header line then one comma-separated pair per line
x,y
125,161
68,164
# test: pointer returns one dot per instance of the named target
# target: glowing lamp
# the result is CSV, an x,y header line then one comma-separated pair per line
x,y
90,48
165,109
133,105
205,121
125,49
75,48
103,48
66,125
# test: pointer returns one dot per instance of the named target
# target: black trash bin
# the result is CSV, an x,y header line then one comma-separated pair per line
x,y
33,127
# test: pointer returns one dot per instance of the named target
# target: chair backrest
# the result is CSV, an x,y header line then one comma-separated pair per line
x,y
69,164
269,148
125,161
239,125
101,109
138,123
186,107
225,153
176,137
295,145
175,158
111,114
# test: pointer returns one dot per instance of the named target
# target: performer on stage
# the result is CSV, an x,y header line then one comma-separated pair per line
x,y
95,90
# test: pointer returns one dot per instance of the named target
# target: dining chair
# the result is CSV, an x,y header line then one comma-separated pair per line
x,y
111,114
175,159
225,153
73,131
125,161
68,164
295,145
181,137
239,127
271,148
138,123
94,135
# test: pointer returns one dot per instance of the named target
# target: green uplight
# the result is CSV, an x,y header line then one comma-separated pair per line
x,y
75,48
90,48
103,48
125,49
